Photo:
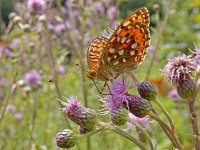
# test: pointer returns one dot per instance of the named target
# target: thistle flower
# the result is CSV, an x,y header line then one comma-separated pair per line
x,y
17,117
178,69
59,29
61,69
66,139
196,59
37,6
119,116
32,79
82,116
147,90
173,94
112,13
144,122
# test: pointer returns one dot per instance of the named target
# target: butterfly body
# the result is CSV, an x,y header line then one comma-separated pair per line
x,y
123,50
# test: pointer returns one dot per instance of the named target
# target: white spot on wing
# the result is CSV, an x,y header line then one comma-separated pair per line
x,y
134,45
121,52
132,53
115,56
123,39
118,38
124,60
108,59
127,41
111,50
115,63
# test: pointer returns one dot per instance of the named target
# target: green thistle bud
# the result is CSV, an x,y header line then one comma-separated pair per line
x,y
119,116
138,106
82,116
147,90
186,88
66,139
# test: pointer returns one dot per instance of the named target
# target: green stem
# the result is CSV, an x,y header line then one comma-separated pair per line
x,y
193,117
172,133
157,101
119,131
144,132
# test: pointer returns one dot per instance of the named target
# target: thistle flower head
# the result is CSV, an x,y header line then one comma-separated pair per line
x,y
66,139
82,116
112,13
178,69
144,122
118,94
32,79
37,6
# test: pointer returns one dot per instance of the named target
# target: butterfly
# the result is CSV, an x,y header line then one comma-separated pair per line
x,y
121,50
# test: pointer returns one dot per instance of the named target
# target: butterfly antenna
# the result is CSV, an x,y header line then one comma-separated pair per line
x,y
58,78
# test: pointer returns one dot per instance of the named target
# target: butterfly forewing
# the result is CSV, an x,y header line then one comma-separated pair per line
x,y
128,45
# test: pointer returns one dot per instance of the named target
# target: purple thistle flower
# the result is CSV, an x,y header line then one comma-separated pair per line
x,y
59,29
88,23
82,116
152,48
178,69
98,8
10,108
144,122
61,70
173,94
196,58
37,6
112,13
118,94
32,79
17,117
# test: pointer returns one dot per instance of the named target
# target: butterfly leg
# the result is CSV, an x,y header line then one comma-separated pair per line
x,y
101,91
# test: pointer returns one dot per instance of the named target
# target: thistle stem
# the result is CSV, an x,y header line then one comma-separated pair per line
x,y
193,117
176,141
110,127
144,132
157,101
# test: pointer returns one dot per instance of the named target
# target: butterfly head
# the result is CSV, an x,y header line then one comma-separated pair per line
x,y
92,74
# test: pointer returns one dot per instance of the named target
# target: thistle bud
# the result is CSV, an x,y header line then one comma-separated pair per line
x,y
186,88
66,139
82,116
147,90
119,116
138,106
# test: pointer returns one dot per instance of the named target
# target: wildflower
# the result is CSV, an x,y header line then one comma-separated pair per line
x,y
17,117
143,122
147,90
88,23
178,69
112,13
173,94
10,108
37,6
82,116
187,88
61,69
152,48
59,29
196,59
32,79
66,139
98,8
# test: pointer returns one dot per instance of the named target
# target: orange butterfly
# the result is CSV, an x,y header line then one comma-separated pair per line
x,y
122,50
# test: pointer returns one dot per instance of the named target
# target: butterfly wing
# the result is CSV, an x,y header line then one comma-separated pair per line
x,y
128,45
94,52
